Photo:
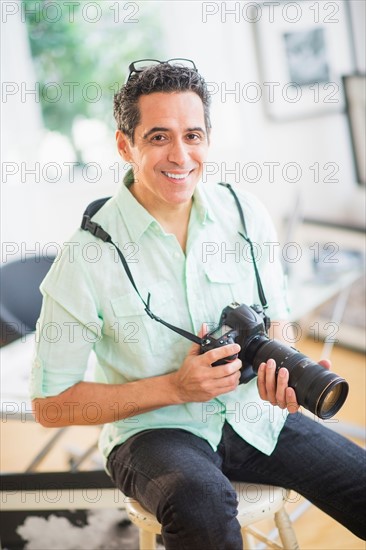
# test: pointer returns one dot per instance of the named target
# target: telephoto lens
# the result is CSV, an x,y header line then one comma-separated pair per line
x,y
317,389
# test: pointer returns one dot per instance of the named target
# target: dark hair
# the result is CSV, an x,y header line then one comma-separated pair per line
x,y
157,78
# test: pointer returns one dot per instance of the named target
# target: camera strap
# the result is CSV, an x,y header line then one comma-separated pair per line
x,y
97,230
261,294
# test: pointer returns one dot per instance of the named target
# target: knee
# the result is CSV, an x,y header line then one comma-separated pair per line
x,y
199,502
201,515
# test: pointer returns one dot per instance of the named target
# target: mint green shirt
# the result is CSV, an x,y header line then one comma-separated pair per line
x,y
90,304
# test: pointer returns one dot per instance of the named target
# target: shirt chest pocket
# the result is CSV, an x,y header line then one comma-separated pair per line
x,y
136,330
228,283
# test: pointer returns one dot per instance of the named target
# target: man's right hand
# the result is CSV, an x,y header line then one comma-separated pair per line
x,y
197,380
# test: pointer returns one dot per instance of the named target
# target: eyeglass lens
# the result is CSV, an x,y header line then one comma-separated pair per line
x,y
140,65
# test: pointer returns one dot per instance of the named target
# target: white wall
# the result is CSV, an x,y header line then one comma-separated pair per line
x,y
21,121
227,54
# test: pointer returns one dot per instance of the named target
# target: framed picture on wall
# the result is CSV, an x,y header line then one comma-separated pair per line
x,y
355,96
304,48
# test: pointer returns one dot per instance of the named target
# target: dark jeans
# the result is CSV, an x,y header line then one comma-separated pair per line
x,y
178,477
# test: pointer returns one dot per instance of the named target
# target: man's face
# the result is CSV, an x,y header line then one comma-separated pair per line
x,y
169,148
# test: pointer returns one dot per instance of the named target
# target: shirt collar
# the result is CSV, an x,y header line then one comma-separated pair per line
x,y
203,209
137,218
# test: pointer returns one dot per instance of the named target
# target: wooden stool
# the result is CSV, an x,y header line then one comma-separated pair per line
x,y
256,502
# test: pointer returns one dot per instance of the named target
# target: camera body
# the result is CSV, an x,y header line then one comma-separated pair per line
x,y
238,323
317,389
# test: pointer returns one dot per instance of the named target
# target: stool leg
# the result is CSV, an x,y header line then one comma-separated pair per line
x,y
248,540
285,529
147,540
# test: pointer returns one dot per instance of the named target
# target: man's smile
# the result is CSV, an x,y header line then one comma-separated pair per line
x,y
177,175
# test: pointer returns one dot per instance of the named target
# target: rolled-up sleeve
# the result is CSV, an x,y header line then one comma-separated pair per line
x,y
63,346
67,330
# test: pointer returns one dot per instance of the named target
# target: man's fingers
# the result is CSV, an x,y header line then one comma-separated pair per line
x,y
220,353
271,381
261,381
267,381
224,372
229,383
274,388
282,382
285,396
325,363
203,330
291,401
195,348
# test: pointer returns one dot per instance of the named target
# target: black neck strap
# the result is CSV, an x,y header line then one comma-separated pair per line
x,y
261,294
99,232
95,229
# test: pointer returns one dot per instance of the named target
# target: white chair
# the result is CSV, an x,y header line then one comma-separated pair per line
x,y
256,502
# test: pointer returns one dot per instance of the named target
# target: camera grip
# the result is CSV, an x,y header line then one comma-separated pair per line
x,y
209,343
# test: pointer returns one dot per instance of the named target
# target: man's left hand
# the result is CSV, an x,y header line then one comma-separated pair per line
x,y
275,389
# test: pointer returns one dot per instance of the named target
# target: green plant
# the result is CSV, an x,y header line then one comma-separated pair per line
x,y
81,63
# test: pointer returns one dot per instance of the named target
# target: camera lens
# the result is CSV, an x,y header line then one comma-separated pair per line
x,y
320,391
332,399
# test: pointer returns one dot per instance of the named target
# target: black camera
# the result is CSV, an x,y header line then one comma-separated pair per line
x,y
320,391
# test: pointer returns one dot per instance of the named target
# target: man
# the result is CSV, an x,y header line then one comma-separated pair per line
x,y
176,429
